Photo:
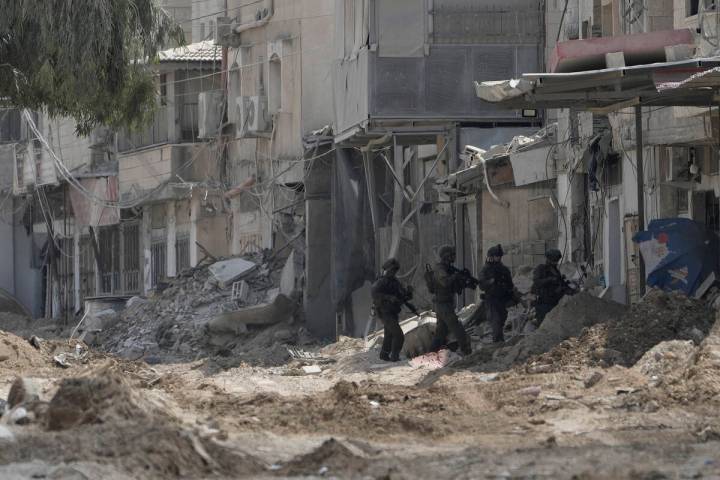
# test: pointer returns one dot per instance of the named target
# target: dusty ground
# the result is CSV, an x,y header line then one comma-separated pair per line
x,y
559,415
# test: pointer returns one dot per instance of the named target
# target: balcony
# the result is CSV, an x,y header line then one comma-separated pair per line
x,y
154,134
410,73
164,168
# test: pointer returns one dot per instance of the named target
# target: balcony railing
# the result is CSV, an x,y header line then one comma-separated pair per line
x,y
154,134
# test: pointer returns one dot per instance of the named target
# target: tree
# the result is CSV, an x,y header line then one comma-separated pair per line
x,y
85,59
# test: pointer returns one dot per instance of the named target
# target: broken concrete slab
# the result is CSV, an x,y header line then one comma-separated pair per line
x,y
288,276
22,390
228,271
280,309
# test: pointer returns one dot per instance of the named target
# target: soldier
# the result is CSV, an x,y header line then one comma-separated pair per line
x,y
496,281
444,283
548,285
388,296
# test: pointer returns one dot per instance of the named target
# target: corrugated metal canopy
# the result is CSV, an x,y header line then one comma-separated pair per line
x,y
608,89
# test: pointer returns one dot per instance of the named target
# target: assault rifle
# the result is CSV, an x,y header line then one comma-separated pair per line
x,y
468,279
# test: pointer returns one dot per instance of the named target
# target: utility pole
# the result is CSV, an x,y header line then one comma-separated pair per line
x,y
640,189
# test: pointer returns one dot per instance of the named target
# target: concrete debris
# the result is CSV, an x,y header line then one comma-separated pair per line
x,y
592,379
23,390
309,357
61,360
6,434
532,391
18,416
311,369
666,357
279,310
228,271
198,314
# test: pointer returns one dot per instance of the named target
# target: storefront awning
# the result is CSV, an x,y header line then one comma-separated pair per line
x,y
605,90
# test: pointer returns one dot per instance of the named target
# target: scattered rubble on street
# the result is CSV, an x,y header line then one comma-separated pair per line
x,y
275,402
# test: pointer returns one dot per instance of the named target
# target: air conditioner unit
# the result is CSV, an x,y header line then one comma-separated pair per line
x,y
252,117
209,113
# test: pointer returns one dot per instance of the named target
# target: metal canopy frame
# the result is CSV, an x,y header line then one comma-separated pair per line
x,y
604,89
685,83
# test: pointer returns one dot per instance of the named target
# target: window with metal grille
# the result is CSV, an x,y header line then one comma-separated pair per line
x,y
66,274
182,253
158,254
131,257
109,246
87,268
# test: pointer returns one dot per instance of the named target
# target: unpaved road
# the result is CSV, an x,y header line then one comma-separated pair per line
x,y
361,419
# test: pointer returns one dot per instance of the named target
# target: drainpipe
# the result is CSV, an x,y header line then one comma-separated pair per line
x,y
640,188
266,14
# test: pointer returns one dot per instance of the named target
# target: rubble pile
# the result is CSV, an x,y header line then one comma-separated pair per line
x,y
568,319
176,322
623,340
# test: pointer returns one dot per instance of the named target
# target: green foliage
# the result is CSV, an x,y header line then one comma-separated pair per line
x,y
85,59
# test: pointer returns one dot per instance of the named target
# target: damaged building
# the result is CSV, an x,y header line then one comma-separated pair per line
x,y
338,130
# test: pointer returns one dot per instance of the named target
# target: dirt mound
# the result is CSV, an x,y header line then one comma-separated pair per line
x,y
330,458
96,399
568,319
366,410
660,317
17,354
143,450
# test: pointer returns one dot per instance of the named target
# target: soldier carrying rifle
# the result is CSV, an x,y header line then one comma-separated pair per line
x,y
389,295
444,283
549,285
496,281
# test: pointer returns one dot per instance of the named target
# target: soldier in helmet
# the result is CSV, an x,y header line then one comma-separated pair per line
x,y
444,282
388,296
549,286
496,281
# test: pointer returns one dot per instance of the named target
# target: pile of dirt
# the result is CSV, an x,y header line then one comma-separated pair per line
x,y
330,458
623,340
142,450
660,316
566,320
17,354
97,399
366,410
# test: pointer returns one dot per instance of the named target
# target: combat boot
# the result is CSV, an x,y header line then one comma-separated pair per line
x,y
384,356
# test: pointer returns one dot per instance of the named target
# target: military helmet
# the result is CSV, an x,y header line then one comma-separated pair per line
x,y
496,251
553,254
446,251
391,263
